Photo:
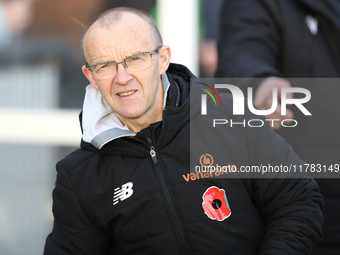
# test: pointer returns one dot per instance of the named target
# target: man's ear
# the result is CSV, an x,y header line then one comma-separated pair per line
x,y
89,76
165,56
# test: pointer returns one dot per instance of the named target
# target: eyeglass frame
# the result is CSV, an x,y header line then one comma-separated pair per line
x,y
124,63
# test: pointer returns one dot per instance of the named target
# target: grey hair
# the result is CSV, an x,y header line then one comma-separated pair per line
x,y
109,17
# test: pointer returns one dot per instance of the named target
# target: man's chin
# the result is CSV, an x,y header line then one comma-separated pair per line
x,y
126,117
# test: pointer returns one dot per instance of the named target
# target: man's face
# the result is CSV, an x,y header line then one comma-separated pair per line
x,y
132,95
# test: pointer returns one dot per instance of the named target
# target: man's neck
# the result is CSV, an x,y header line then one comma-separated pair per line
x,y
138,124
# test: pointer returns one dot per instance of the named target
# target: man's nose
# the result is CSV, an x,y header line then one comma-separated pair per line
x,y
122,75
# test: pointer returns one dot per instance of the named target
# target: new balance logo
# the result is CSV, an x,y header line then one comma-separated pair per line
x,y
122,193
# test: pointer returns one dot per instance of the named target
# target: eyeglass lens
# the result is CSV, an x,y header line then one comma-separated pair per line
x,y
133,63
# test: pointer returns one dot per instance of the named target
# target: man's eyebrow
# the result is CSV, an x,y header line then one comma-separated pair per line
x,y
137,52
125,56
129,55
104,62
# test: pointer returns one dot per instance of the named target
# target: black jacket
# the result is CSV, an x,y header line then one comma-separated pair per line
x,y
136,194
262,38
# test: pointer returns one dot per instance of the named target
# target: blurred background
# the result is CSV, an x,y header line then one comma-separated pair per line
x,y
42,86
42,89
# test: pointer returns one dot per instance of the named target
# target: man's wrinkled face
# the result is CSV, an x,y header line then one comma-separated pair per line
x,y
130,94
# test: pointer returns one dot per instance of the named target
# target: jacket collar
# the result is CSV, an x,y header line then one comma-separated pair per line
x,y
320,7
100,124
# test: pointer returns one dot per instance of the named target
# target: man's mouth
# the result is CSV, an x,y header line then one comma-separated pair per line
x,y
127,93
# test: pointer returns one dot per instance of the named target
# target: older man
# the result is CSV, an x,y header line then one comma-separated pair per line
x,y
128,191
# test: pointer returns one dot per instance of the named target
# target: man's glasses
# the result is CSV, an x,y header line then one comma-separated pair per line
x,y
108,70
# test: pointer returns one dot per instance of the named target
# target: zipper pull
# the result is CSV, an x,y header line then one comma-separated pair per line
x,y
152,151
153,155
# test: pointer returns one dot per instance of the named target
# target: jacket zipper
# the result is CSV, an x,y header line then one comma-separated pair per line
x,y
178,228
153,155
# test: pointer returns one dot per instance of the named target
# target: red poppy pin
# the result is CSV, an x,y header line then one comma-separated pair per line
x,y
215,204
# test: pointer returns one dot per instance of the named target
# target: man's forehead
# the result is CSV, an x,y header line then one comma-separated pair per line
x,y
127,25
124,33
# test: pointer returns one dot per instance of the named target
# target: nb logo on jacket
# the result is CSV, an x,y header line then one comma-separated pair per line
x,y
122,193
